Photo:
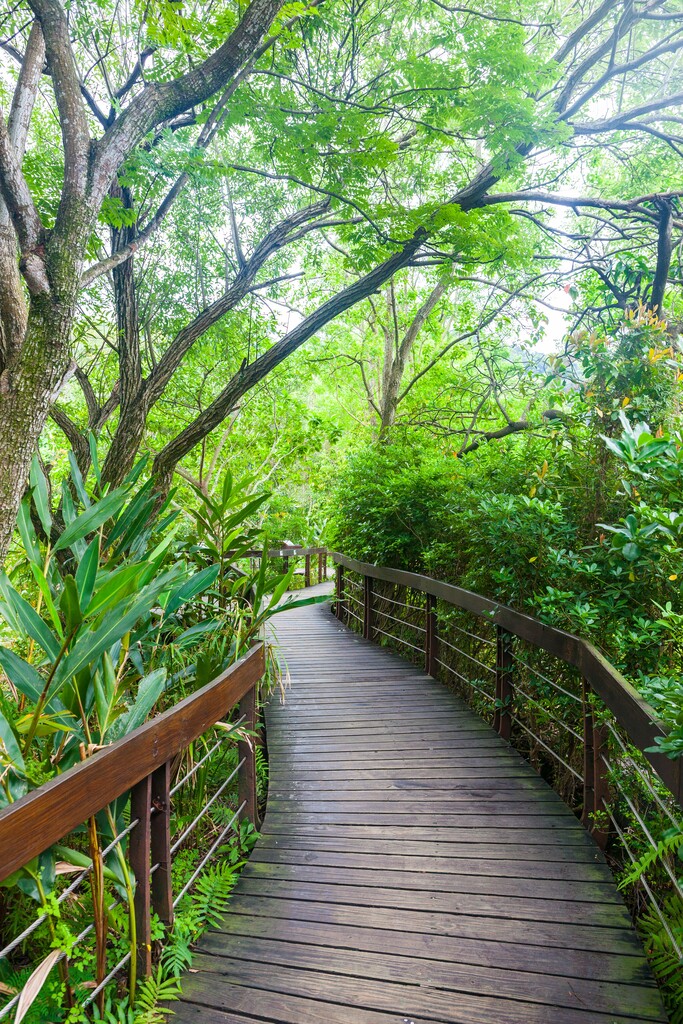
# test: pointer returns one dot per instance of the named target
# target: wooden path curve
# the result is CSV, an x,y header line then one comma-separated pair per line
x,y
412,869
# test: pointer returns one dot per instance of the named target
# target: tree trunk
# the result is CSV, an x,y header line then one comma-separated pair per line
x,y
134,407
28,388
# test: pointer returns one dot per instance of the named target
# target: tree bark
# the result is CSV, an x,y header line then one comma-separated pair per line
x,y
27,390
133,407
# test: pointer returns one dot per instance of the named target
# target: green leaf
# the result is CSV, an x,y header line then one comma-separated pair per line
x,y
120,583
40,495
47,597
27,680
192,588
91,519
28,533
70,605
198,630
86,573
78,481
9,748
116,624
149,690
630,551
31,622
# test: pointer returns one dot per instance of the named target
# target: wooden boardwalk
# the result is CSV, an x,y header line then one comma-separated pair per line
x,y
413,868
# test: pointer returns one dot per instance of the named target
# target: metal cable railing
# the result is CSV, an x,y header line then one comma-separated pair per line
x,y
556,700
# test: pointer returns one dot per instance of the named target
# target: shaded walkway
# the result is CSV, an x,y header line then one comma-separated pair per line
x,y
413,868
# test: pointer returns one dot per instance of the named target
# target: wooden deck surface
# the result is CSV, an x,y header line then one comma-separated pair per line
x,y
413,868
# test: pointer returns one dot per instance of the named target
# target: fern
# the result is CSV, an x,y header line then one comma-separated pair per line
x,y
672,843
177,956
663,952
212,894
154,990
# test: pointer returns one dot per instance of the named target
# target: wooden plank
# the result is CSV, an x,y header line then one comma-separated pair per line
x,y
412,868
529,909
506,930
550,990
375,870
413,1000
576,964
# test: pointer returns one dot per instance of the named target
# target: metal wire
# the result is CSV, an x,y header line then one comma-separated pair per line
x,y
643,881
476,661
398,640
553,718
546,747
464,679
214,748
636,814
193,824
475,636
191,881
401,604
65,895
353,614
401,622
676,822
105,981
550,682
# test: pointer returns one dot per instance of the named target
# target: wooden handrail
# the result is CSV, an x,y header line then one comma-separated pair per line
x,y
47,814
288,551
638,719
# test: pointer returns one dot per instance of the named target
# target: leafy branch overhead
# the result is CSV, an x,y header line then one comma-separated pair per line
x,y
431,137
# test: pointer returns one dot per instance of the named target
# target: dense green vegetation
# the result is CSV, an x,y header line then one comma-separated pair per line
x,y
402,278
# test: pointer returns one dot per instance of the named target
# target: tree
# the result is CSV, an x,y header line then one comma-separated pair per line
x,y
36,348
378,109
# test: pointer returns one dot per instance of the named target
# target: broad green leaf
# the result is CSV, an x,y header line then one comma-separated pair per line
x,y
32,624
78,481
90,645
90,520
192,588
27,680
40,495
149,690
9,747
86,573
120,583
133,517
28,533
198,630
70,605
47,597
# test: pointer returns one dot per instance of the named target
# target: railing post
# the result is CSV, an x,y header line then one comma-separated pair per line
x,y
431,637
139,854
601,782
307,571
595,780
368,616
246,750
320,567
504,683
160,832
340,591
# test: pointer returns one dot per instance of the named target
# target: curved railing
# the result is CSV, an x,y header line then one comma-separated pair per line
x,y
145,770
557,700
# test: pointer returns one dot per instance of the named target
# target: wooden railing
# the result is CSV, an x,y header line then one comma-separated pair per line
x,y
552,695
296,551
141,764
